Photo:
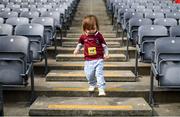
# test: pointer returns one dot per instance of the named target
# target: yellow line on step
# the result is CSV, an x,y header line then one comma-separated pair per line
x,y
84,89
88,107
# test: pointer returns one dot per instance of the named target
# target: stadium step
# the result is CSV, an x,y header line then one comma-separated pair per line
x,y
89,106
106,35
79,65
69,50
67,39
78,75
80,57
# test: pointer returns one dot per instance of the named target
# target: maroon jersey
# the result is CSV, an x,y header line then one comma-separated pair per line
x,y
93,48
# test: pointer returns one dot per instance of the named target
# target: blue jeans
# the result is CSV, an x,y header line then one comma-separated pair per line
x,y
92,69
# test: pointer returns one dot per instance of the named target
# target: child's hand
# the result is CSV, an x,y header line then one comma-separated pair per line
x,y
106,57
76,52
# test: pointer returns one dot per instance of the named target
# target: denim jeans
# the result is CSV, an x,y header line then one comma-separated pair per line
x,y
94,72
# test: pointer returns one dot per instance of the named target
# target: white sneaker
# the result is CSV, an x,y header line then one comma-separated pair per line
x,y
91,88
101,92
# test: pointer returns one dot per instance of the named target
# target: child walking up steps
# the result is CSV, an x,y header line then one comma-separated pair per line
x,y
95,52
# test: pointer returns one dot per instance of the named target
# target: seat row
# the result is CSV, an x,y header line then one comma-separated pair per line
x,y
155,36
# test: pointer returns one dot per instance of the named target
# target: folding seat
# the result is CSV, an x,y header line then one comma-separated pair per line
x,y
167,22
165,65
6,30
144,10
15,63
32,6
156,8
40,10
13,6
49,29
14,21
19,10
154,15
2,6
35,33
41,1
30,14
7,15
174,31
147,34
1,20
30,1
128,15
163,10
15,1
44,6
175,15
132,33
4,1
56,16
5,10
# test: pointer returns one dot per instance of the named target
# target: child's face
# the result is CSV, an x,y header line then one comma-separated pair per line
x,y
92,31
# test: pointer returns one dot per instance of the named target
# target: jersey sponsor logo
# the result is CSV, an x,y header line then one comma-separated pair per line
x,y
92,51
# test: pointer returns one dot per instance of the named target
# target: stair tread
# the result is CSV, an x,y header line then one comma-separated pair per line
x,y
82,55
79,73
80,106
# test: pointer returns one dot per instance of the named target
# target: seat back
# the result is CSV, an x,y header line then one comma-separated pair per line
x,y
49,27
167,60
6,30
147,35
14,51
134,24
168,22
35,33
14,21
30,14
7,15
174,31
154,15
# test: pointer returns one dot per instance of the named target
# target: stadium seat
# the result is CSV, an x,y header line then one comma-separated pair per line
x,y
6,30
49,29
1,20
7,15
147,34
30,14
132,34
174,31
165,65
16,64
154,15
35,33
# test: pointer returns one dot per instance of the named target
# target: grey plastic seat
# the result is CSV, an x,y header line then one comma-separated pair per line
x,y
15,62
175,15
40,10
14,21
19,10
35,33
165,66
5,9
56,16
6,30
13,6
30,14
29,6
147,34
7,15
132,34
174,31
154,15
1,20
49,28
168,22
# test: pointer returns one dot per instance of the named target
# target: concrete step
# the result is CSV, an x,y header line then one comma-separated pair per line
x,y
89,106
80,18
74,44
144,68
80,89
80,57
69,50
80,31
78,75
102,27
101,23
67,39
106,35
